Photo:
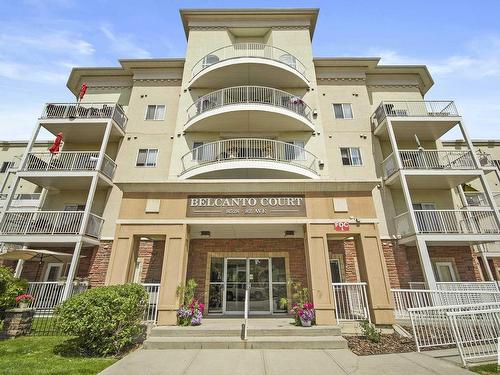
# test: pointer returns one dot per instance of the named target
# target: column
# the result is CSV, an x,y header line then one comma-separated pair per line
x,y
123,257
19,268
173,273
426,264
318,274
373,270
68,287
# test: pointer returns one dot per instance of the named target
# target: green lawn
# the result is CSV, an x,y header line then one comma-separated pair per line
x,y
35,355
491,368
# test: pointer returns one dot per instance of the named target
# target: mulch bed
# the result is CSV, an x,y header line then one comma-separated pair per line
x,y
388,344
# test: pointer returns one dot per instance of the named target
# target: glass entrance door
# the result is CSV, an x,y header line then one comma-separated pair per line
x,y
236,280
258,277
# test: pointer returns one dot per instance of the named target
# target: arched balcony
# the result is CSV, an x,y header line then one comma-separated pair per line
x,y
249,158
257,63
249,108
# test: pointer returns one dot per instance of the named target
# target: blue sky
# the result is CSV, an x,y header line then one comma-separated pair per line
x,y
40,40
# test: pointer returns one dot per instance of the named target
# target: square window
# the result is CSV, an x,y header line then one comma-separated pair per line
x,y
155,112
147,157
6,165
342,111
351,156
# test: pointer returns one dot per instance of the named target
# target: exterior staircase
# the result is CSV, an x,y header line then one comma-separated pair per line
x,y
262,334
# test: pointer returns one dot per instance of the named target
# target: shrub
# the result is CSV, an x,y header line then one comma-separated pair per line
x,y
10,288
370,331
105,320
303,309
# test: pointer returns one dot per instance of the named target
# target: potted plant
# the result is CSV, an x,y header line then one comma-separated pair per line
x,y
191,310
302,310
23,300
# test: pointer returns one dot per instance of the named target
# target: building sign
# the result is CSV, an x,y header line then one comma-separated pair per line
x,y
246,206
342,226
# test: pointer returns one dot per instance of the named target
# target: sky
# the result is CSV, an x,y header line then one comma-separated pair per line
x,y
41,40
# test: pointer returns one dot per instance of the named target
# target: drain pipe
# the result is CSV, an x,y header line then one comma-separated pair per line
x,y
244,326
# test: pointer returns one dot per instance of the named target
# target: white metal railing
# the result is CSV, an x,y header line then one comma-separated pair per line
x,y
405,299
431,326
476,334
48,294
389,165
436,159
462,286
248,149
151,313
485,159
253,50
249,95
351,301
422,108
85,111
476,199
22,200
403,224
456,221
49,222
68,161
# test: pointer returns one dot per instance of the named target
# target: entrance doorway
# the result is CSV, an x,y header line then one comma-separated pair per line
x,y
230,277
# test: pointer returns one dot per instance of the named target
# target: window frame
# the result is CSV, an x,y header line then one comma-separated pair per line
x,y
58,265
147,154
343,111
156,108
339,264
350,156
451,266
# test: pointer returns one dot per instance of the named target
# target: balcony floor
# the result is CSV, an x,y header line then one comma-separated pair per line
x,y
433,179
425,128
88,131
63,180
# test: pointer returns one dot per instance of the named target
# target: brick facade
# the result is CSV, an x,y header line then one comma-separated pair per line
x,y
345,251
403,263
151,255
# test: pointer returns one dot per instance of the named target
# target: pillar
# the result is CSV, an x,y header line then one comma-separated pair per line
x,y
426,263
320,279
122,260
68,287
173,274
373,270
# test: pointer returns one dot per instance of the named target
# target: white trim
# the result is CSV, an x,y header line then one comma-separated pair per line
x,y
450,268
58,265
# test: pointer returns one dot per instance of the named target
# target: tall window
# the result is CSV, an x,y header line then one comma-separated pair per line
x,y
155,112
342,110
147,157
335,271
351,156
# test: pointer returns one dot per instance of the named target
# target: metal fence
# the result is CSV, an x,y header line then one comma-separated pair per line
x,y
436,159
405,299
351,301
421,108
457,221
251,50
431,326
476,334
151,313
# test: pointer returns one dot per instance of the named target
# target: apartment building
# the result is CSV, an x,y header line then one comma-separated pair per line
x,y
250,162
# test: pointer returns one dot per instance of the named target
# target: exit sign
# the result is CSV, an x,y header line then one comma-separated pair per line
x,y
342,226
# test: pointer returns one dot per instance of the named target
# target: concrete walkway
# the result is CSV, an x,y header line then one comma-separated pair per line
x,y
277,362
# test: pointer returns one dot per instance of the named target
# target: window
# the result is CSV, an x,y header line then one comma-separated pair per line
x,y
74,207
295,151
147,157
155,112
351,156
445,271
342,111
53,272
6,165
335,271
197,152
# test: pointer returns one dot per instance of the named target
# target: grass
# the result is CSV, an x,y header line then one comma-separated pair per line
x,y
488,369
36,355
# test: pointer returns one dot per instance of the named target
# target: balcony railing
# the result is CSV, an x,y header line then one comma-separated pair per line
x,y
22,200
249,149
68,161
415,109
448,222
85,111
476,199
258,50
429,159
249,95
49,223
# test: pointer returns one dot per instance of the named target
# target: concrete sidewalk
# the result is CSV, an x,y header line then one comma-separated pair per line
x,y
277,362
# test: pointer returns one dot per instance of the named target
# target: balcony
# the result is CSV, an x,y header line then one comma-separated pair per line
x,y
43,223
83,122
476,222
249,108
476,199
249,158
22,201
257,63
428,120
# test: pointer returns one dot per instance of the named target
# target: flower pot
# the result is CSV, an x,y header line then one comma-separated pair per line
x,y
23,305
305,323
